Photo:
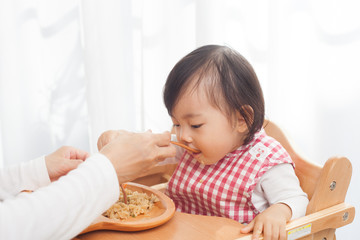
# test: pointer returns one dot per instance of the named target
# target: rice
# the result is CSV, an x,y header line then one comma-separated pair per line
x,y
138,203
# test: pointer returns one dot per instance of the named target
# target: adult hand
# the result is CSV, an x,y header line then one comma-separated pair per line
x,y
63,161
107,137
133,154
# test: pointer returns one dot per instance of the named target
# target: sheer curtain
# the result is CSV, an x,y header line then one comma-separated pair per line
x,y
42,85
70,70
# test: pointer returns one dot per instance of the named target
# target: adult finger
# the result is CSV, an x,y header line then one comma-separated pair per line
x,y
79,154
166,152
162,139
107,137
75,163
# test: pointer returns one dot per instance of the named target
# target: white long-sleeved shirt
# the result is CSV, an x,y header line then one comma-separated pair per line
x,y
59,210
280,185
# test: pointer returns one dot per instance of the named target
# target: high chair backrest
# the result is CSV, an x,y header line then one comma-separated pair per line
x,y
326,186
307,172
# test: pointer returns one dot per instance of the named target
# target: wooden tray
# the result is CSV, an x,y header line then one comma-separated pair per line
x,y
162,212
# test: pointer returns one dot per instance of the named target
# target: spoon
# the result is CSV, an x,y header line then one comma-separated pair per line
x,y
174,141
122,186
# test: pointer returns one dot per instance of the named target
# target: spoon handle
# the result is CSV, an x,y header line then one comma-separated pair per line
x,y
122,186
186,147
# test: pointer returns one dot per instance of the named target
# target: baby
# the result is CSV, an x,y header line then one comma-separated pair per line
x,y
216,104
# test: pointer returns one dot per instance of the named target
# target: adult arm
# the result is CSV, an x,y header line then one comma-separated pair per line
x,y
64,208
25,176
39,172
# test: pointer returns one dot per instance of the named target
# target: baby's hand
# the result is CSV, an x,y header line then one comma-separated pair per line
x,y
271,223
63,161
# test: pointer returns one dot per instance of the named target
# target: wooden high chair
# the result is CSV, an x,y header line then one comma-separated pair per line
x,y
326,187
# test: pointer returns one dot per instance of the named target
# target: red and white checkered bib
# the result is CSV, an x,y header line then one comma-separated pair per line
x,y
225,188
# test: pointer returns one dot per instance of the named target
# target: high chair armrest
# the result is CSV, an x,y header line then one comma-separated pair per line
x,y
329,218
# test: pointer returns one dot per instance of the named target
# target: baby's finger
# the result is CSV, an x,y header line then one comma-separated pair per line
x,y
275,233
258,229
247,228
268,232
282,233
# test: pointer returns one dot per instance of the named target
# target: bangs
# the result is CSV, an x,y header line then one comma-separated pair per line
x,y
209,78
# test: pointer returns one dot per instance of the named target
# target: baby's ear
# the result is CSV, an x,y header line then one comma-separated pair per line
x,y
247,112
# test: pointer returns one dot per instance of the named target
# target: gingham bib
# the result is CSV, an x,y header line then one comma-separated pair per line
x,y
225,188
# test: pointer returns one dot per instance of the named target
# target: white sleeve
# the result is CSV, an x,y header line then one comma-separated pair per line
x,y
280,185
26,176
64,208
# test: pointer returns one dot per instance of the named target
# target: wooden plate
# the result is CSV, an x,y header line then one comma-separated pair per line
x,y
162,211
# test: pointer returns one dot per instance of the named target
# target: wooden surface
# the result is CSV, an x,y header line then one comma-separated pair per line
x,y
323,223
181,226
332,184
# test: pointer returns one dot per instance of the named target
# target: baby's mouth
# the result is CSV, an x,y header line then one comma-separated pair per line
x,y
198,156
195,153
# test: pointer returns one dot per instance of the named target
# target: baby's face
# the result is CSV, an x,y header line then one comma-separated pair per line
x,y
204,127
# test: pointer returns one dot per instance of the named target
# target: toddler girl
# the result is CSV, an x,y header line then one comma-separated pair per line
x,y
216,104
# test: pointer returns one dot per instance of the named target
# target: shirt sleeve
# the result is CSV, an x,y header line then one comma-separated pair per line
x,y
65,207
280,185
26,176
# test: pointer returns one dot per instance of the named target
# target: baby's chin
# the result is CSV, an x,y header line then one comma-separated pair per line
x,y
206,161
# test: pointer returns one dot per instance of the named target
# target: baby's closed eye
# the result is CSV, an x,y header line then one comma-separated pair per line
x,y
196,125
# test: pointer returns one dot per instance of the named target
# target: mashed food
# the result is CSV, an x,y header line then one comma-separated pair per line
x,y
138,203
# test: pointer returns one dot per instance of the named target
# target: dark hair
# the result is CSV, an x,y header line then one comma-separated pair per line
x,y
229,76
